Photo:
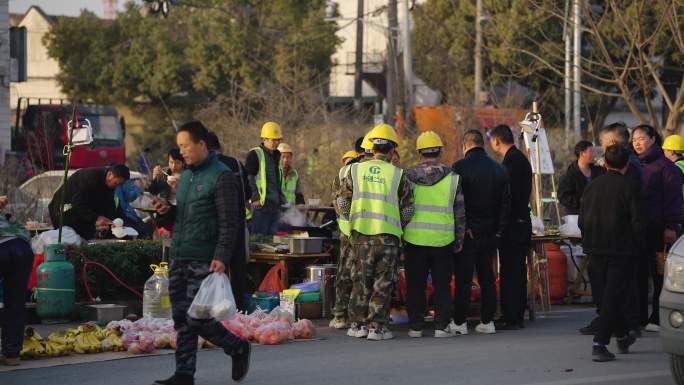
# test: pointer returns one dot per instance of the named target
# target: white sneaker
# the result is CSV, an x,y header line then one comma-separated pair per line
x,y
652,328
357,331
444,333
486,328
338,323
461,329
380,334
415,333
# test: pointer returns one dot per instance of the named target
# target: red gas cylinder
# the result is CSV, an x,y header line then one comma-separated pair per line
x,y
557,267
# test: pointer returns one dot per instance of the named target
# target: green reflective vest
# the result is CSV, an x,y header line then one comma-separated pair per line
x,y
343,224
260,178
680,164
433,223
289,185
375,199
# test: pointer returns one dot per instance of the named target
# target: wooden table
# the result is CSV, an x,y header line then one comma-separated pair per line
x,y
537,272
274,258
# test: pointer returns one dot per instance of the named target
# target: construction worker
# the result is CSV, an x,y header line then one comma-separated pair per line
x,y
673,146
367,146
348,157
432,236
263,173
289,183
377,200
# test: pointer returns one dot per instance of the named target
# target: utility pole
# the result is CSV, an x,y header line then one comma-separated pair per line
x,y
408,61
358,72
478,53
393,85
567,75
577,64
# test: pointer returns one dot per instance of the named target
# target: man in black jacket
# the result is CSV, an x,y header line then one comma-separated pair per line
x,y
487,198
515,241
611,222
89,203
238,264
577,177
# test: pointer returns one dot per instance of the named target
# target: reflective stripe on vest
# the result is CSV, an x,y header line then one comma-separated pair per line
x,y
260,179
433,221
375,199
680,165
343,224
289,186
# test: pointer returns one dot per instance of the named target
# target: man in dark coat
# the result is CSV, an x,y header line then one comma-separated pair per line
x,y
89,204
487,196
238,264
612,221
515,241
577,176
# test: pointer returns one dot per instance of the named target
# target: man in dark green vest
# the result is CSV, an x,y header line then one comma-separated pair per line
x,y
206,224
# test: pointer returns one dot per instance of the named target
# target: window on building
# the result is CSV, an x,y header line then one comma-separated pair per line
x,y
18,53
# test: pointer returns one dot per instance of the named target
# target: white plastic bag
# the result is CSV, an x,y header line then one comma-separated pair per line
x,y
69,237
571,228
214,299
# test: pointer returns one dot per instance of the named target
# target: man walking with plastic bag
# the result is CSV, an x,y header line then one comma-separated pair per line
x,y
206,221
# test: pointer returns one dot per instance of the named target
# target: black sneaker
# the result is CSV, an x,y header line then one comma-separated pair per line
x,y
592,328
177,379
241,361
625,342
601,354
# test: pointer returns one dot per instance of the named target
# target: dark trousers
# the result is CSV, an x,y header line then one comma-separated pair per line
x,y
264,221
647,267
185,278
513,274
612,319
596,279
477,254
16,261
419,260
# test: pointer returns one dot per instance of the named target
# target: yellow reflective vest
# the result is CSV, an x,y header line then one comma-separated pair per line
x,y
433,223
375,199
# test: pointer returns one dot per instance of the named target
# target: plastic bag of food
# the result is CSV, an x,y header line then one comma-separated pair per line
x,y
162,340
303,329
281,314
146,342
214,299
128,337
32,348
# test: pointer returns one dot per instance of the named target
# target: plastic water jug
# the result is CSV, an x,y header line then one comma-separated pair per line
x,y
156,302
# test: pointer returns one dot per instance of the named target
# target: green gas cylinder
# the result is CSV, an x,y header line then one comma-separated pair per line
x,y
55,293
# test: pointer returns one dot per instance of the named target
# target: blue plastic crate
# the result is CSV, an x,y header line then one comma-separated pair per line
x,y
264,303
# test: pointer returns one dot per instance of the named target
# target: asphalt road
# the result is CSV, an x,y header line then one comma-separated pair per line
x,y
549,351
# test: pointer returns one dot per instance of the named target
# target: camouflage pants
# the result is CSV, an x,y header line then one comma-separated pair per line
x,y
343,281
185,278
373,277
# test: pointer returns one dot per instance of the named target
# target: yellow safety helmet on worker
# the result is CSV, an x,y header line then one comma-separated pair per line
x,y
271,130
351,154
429,142
285,148
674,143
366,144
383,133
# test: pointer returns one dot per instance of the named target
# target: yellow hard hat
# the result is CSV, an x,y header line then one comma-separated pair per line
x,y
366,144
384,132
284,148
351,154
428,139
674,143
271,130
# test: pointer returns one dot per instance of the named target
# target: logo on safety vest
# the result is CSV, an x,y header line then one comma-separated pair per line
x,y
374,170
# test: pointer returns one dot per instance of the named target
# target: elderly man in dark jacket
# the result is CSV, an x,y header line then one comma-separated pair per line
x,y
487,196
577,176
206,225
612,221
89,204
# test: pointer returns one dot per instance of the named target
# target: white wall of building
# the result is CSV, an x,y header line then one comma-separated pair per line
x,y
41,70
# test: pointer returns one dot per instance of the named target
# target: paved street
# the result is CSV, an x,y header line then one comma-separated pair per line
x,y
547,352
